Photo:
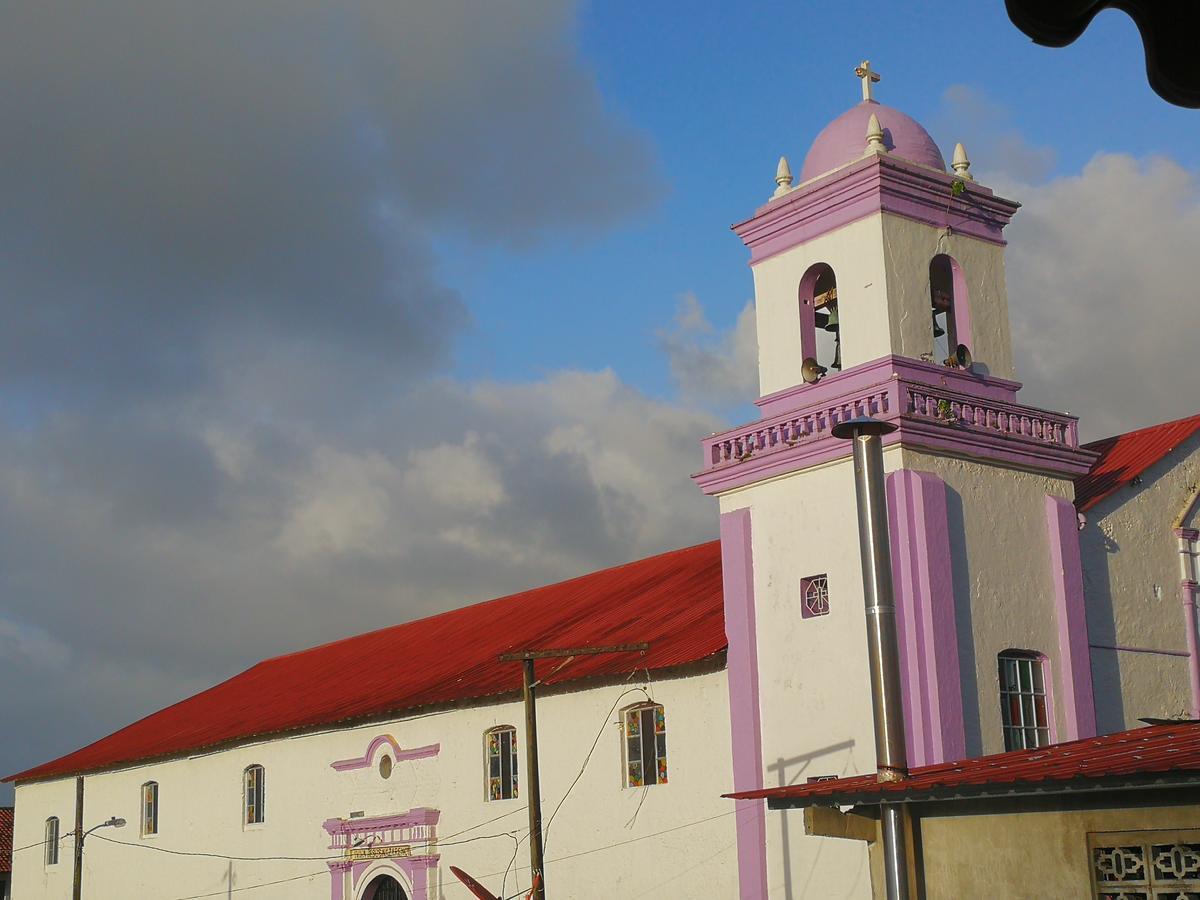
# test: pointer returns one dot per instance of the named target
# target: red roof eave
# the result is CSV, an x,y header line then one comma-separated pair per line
x,y
1158,750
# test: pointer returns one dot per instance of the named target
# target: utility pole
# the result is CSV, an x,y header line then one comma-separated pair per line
x,y
77,882
883,648
533,784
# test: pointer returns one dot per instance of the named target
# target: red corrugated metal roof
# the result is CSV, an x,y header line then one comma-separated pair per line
x,y
1125,456
6,838
672,601
1154,750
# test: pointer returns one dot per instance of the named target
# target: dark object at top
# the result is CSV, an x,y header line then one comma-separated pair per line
x,y
1168,29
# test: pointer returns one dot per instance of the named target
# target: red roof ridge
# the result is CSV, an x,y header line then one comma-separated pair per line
x,y
1123,457
673,601
448,613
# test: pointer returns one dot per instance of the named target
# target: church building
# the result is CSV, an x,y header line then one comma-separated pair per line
x,y
1046,591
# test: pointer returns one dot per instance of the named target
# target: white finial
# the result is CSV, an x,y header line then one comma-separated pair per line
x,y
961,165
783,177
874,136
863,71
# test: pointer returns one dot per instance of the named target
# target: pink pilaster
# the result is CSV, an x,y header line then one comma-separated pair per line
x,y
737,573
1075,664
922,570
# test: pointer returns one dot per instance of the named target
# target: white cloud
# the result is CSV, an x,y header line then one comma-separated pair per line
x,y
1103,292
717,369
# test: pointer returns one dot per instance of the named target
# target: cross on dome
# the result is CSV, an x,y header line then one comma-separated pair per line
x,y
864,71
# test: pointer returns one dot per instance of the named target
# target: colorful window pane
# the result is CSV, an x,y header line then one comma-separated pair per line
x,y
255,795
1023,710
150,808
645,746
501,746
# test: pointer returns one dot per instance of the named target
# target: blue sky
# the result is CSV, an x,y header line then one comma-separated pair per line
x,y
722,93
323,316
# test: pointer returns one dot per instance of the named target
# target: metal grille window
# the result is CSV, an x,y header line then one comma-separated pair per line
x,y
814,596
150,808
645,745
1023,701
52,841
255,795
1145,865
501,746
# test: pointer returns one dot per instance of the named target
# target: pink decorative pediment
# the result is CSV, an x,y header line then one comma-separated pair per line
x,y
398,754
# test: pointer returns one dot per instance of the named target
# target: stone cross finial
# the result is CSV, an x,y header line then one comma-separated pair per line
x,y
863,70
783,177
874,136
960,164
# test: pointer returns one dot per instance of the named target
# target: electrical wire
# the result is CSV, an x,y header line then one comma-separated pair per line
x,y
587,759
225,892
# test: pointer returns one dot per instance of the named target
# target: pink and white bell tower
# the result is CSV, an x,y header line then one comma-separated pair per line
x,y
879,290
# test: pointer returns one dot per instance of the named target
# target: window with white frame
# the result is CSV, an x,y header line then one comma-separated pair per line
x,y
645,729
52,841
149,808
1023,702
254,791
500,749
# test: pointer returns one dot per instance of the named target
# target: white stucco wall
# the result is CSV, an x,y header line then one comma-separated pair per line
x,y
882,267
1131,581
1002,580
605,842
813,673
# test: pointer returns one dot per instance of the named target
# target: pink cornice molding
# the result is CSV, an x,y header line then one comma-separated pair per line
x,y
421,815
398,754
934,408
871,185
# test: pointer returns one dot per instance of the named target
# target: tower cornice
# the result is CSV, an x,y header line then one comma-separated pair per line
x,y
874,184
935,408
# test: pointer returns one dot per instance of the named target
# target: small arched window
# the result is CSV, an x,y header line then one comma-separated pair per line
x,y
254,795
500,752
150,808
949,309
645,745
52,841
1024,710
820,329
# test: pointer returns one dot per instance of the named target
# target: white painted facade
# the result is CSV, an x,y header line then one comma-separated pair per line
x,y
607,840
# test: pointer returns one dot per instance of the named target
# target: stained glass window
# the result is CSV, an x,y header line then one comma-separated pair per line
x,y
645,745
500,745
1023,711
52,841
150,808
255,795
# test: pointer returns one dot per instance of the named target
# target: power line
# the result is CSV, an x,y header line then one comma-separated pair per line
x,y
221,856
588,758
225,892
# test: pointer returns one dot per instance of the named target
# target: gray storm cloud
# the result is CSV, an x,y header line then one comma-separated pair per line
x,y
223,431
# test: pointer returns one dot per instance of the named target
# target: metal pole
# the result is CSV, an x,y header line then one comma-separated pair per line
x,y
77,883
882,644
534,785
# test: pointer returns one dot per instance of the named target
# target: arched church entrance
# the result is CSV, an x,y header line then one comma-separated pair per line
x,y
384,887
